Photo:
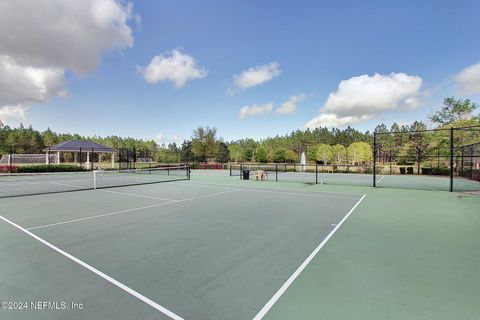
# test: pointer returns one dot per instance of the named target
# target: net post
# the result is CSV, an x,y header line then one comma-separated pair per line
x,y
374,159
451,160
94,180
188,172
316,173
241,170
230,167
276,172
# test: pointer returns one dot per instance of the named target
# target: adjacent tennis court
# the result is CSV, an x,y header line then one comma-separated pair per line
x,y
217,247
420,182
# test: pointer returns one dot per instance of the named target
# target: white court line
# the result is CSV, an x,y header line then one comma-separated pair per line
x,y
297,272
128,210
261,189
300,194
137,195
264,187
380,179
99,273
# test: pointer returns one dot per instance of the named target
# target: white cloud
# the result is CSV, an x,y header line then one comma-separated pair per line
x,y
26,84
69,34
162,139
174,66
361,98
40,40
12,114
468,80
331,120
255,76
290,105
255,110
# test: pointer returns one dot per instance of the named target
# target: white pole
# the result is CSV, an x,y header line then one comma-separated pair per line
x,y
75,158
94,179
46,157
58,157
113,160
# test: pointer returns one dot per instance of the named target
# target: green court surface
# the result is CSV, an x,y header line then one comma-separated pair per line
x,y
217,247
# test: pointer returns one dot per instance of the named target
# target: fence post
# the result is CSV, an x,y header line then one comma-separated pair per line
x,y
374,159
10,155
391,157
241,171
471,165
451,159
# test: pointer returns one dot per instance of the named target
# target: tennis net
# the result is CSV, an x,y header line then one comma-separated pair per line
x,y
23,184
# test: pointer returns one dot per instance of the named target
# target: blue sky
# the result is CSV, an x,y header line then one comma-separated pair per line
x,y
340,63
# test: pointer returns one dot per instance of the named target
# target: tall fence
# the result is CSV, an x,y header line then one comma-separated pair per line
x,y
442,159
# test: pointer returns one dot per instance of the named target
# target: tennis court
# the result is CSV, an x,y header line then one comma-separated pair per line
x,y
217,247
195,252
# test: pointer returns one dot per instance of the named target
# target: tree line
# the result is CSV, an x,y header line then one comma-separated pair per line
x,y
321,145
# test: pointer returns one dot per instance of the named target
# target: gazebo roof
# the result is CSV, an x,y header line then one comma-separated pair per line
x,y
79,145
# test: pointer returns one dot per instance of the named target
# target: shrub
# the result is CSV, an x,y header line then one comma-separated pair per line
x,y
210,166
442,171
476,174
427,171
5,169
49,168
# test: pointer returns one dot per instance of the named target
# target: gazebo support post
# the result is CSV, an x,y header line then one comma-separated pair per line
x,y
113,160
58,157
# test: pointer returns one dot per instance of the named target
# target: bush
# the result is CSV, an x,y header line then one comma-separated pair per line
x,y
427,171
49,168
476,174
4,169
210,166
442,171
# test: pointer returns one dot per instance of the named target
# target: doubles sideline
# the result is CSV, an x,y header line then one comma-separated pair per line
x,y
99,273
297,272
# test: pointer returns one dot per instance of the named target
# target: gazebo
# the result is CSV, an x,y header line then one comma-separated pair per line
x,y
77,147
